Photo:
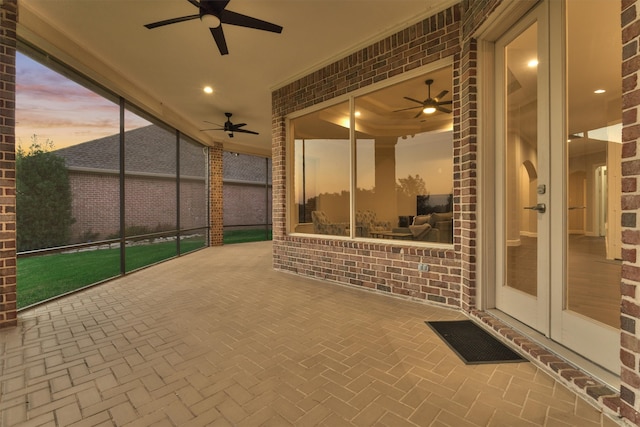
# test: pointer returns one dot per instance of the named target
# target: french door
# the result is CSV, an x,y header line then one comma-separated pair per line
x,y
558,122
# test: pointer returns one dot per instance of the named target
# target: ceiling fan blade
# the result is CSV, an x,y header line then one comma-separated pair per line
x,y
246,131
442,94
234,18
195,3
218,36
171,21
417,115
407,109
239,125
414,100
202,130
445,102
444,110
215,5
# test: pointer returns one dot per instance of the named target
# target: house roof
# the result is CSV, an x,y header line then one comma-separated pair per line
x,y
148,149
152,150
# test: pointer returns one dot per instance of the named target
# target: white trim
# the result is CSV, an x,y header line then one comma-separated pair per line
x,y
507,14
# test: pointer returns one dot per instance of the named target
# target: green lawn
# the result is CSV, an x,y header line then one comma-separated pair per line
x,y
46,276
243,236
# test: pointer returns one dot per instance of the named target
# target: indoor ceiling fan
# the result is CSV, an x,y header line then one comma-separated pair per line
x,y
230,128
429,105
213,14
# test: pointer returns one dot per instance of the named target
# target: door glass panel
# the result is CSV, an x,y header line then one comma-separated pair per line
x,y
521,161
594,117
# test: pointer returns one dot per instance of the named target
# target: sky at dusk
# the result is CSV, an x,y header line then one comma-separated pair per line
x,y
57,109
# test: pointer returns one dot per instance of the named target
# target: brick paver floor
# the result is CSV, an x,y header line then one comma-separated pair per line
x,y
218,338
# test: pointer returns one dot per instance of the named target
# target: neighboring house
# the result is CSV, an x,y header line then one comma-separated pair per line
x,y
150,181
247,190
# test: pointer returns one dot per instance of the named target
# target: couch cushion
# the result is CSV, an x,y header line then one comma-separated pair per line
x,y
420,231
422,219
443,216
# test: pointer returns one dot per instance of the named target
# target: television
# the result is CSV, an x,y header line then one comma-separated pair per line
x,y
433,203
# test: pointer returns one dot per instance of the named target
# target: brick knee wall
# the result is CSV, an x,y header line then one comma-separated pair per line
x,y
8,20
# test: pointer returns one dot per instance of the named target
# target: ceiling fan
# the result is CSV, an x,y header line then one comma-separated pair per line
x,y
429,105
213,14
230,128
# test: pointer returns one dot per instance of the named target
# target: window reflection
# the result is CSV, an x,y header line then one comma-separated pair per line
x,y
403,165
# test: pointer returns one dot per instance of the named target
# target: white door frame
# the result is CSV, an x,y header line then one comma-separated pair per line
x,y
568,334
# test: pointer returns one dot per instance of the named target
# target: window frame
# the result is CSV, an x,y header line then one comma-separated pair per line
x,y
291,208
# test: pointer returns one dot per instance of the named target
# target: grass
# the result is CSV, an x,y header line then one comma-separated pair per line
x,y
244,236
43,277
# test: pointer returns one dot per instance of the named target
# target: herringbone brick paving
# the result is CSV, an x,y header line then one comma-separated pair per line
x,y
218,338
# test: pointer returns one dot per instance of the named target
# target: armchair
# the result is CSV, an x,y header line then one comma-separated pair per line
x,y
322,225
367,222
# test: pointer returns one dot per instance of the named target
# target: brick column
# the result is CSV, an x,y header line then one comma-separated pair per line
x,y
8,19
216,216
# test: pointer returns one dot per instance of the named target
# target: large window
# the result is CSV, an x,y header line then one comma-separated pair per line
x,y
397,173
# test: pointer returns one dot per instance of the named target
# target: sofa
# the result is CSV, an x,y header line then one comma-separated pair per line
x,y
435,227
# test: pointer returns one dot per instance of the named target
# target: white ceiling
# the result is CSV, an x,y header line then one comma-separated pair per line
x,y
164,69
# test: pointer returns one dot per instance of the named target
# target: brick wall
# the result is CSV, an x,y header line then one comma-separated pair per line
x,y
8,19
246,200
466,148
149,202
95,204
246,204
383,266
630,306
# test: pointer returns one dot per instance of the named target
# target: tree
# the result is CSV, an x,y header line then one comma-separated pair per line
x,y
43,197
411,186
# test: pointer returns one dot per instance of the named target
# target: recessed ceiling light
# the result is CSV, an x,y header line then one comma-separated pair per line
x,y
599,91
357,113
208,89
533,63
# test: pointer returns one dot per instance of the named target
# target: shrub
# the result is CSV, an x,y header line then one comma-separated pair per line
x,y
43,198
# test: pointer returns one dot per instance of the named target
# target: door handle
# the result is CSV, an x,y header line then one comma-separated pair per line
x,y
540,207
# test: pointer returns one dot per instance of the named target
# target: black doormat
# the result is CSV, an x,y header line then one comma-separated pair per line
x,y
472,344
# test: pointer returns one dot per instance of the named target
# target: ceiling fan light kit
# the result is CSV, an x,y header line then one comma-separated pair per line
x,y
429,105
210,21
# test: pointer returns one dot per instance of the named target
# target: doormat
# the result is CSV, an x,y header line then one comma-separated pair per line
x,y
472,344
